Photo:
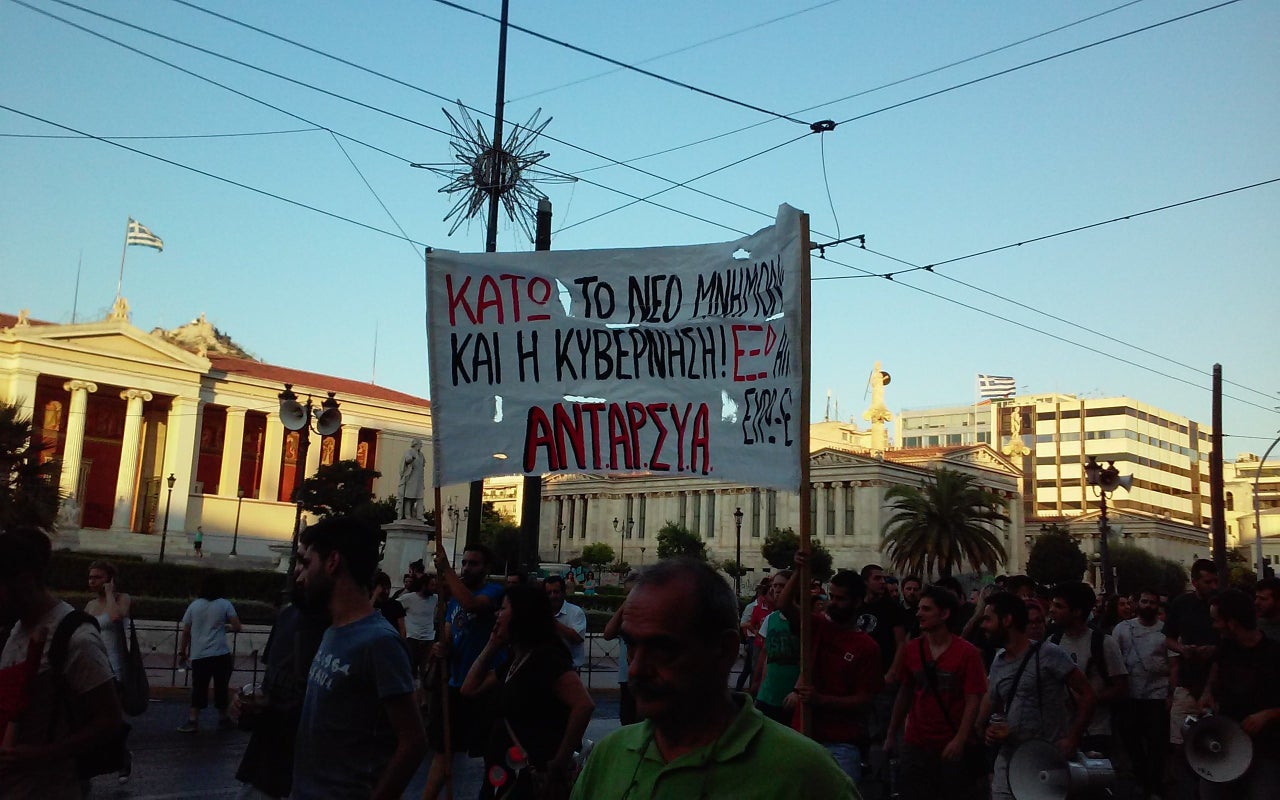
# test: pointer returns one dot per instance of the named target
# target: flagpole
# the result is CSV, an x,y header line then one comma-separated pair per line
x,y
123,251
75,300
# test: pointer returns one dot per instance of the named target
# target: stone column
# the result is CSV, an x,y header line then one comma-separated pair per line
x,y
272,450
71,452
181,437
127,476
350,440
313,457
22,392
232,451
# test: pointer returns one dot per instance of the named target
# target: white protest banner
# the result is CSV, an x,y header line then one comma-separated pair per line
x,y
676,361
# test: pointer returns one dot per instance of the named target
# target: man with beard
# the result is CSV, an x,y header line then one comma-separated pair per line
x,y
469,617
911,588
274,716
1143,722
571,621
1097,655
1266,602
1030,684
1244,686
699,739
360,735
847,669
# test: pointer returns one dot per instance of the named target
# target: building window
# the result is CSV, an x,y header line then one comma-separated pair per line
x,y
771,511
1231,502
848,511
682,506
831,510
631,517
584,519
572,518
640,517
813,511
696,520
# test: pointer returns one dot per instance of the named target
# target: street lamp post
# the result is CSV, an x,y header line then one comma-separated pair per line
x,y
737,532
1257,512
457,516
297,417
559,540
235,536
642,549
1105,480
164,533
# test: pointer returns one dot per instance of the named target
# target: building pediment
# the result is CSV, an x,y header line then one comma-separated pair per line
x,y
984,456
111,339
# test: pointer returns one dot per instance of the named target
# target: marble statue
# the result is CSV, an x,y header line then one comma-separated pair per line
x,y
878,413
411,474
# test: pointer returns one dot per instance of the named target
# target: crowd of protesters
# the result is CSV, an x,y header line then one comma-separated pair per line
x,y
919,688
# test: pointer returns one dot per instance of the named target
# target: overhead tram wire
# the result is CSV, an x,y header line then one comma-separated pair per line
x,y
372,191
685,49
400,158
155,137
873,89
584,51
1038,61
1041,331
206,174
392,114
910,268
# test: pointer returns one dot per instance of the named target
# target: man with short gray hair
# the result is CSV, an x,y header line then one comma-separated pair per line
x,y
699,739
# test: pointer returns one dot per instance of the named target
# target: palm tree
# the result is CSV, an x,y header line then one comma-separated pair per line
x,y
949,521
28,488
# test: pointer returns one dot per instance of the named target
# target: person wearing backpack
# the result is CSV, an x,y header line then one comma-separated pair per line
x,y
73,715
1096,654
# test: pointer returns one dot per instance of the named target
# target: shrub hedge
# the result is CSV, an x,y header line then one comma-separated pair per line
x,y
171,609
68,571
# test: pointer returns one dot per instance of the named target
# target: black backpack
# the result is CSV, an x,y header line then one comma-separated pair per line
x,y
1097,658
111,755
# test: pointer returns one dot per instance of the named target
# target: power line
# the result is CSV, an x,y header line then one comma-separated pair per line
x,y
373,192
1038,61
882,86
1041,331
622,64
175,136
219,178
685,49
370,107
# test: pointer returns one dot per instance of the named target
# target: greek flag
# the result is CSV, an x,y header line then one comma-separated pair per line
x,y
139,234
993,386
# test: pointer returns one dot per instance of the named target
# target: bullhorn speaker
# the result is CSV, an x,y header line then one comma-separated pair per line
x,y
292,415
1037,771
328,419
1217,749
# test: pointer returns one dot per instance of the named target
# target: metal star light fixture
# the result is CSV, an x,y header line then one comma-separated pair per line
x,y
482,169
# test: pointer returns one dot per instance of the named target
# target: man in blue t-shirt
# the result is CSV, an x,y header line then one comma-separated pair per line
x,y
361,734
468,621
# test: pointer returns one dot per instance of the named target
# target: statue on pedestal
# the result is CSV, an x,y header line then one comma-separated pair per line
x,y
411,474
878,413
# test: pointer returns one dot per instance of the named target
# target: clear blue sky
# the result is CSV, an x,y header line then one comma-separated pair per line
x,y
1183,110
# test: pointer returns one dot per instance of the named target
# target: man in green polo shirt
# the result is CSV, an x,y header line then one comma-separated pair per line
x,y
698,739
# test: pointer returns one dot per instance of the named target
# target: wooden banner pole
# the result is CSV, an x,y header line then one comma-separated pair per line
x,y
806,600
443,666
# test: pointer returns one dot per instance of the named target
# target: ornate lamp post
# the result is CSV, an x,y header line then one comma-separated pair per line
x,y
457,516
235,536
559,539
1105,480
297,417
164,533
737,533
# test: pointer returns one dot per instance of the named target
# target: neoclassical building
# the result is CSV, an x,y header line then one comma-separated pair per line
x,y
123,410
847,507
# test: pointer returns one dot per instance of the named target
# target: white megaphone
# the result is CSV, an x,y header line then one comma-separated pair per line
x,y
1217,749
1037,771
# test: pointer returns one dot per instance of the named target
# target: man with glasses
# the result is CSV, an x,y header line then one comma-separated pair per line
x,y
699,739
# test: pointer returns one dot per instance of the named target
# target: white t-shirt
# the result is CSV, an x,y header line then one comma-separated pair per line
x,y
574,617
86,669
208,620
1078,648
419,615
1146,656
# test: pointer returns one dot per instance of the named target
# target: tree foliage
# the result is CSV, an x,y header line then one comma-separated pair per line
x,y
28,489
1056,557
597,554
675,539
949,522
1137,569
732,568
337,489
501,535
780,546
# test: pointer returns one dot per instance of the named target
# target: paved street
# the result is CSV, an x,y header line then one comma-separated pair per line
x,y
170,765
